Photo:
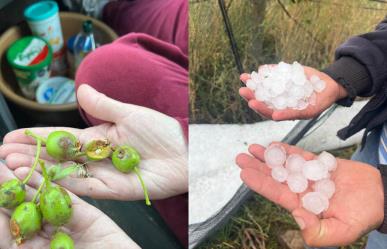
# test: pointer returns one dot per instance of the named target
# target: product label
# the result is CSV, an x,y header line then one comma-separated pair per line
x,y
33,54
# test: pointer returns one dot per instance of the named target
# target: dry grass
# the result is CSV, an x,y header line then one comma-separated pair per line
x,y
264,35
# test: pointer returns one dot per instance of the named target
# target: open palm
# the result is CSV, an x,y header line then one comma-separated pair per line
x,y
158,138
88,227
324,99
356,207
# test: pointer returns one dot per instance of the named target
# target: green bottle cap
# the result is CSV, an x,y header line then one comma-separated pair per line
x,y
87,26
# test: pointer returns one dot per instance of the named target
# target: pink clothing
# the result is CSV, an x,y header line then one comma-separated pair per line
x,y
147,68
165,19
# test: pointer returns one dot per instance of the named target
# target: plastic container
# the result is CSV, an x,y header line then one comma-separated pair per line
x,y
31,111
56,90
30,59
43,20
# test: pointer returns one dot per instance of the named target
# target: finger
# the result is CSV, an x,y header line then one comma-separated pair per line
x,y
100,106
26,149
324,232
6,237
36,242
261,108
244,77
269,188
246,161
258,151
246,93
18,136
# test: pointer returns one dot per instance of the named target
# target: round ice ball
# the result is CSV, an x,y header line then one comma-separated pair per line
x,y
279,173
326,187
328,160
314,170
297,183
315,202
295,163
275,155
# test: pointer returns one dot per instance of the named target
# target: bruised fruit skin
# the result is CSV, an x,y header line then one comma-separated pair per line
x,y
61,241
56,206
62,145
12,193
25,221
125,158
98,150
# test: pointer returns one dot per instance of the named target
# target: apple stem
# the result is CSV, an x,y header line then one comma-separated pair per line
x,y
37,137
45,175
147,201
38,191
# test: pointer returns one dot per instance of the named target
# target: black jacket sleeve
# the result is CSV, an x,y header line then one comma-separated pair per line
x,y
361,68
361,64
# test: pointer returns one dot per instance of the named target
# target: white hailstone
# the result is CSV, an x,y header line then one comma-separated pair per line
x,y
297,183
328,160
312,99
314,78
251,84
295,163
255,77
280,103
314,170
291,102
279,173
285,86
296,92
275,155
308,89
326,187
319,86
315,202
260,95
301,105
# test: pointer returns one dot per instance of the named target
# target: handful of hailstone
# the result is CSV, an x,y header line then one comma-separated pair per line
x,y
284,86
298,174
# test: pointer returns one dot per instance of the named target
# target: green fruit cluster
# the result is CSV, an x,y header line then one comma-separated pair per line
x,y
52,204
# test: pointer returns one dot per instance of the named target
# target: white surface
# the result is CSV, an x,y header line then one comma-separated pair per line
x,y
214,177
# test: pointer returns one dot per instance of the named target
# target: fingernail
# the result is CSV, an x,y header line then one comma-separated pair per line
x,y
300,222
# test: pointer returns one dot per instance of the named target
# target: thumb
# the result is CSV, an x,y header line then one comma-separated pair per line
x,y
99,105
323,232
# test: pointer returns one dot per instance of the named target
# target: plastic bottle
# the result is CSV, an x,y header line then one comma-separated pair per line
x,y
84,43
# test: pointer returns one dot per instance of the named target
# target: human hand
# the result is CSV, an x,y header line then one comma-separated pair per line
x,y
356,208
88,227
332,93
158,138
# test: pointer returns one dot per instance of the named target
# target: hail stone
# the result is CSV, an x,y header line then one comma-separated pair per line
x,y
275,155
251,84
328,160
297,183
326,187
295,163
279,173
314,170
315,202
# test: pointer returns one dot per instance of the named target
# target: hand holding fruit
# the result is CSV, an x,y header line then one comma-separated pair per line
x,y
157,138
87,227
332,93
346,218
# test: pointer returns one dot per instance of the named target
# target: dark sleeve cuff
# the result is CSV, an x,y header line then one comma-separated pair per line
x,y
352,75
383,172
